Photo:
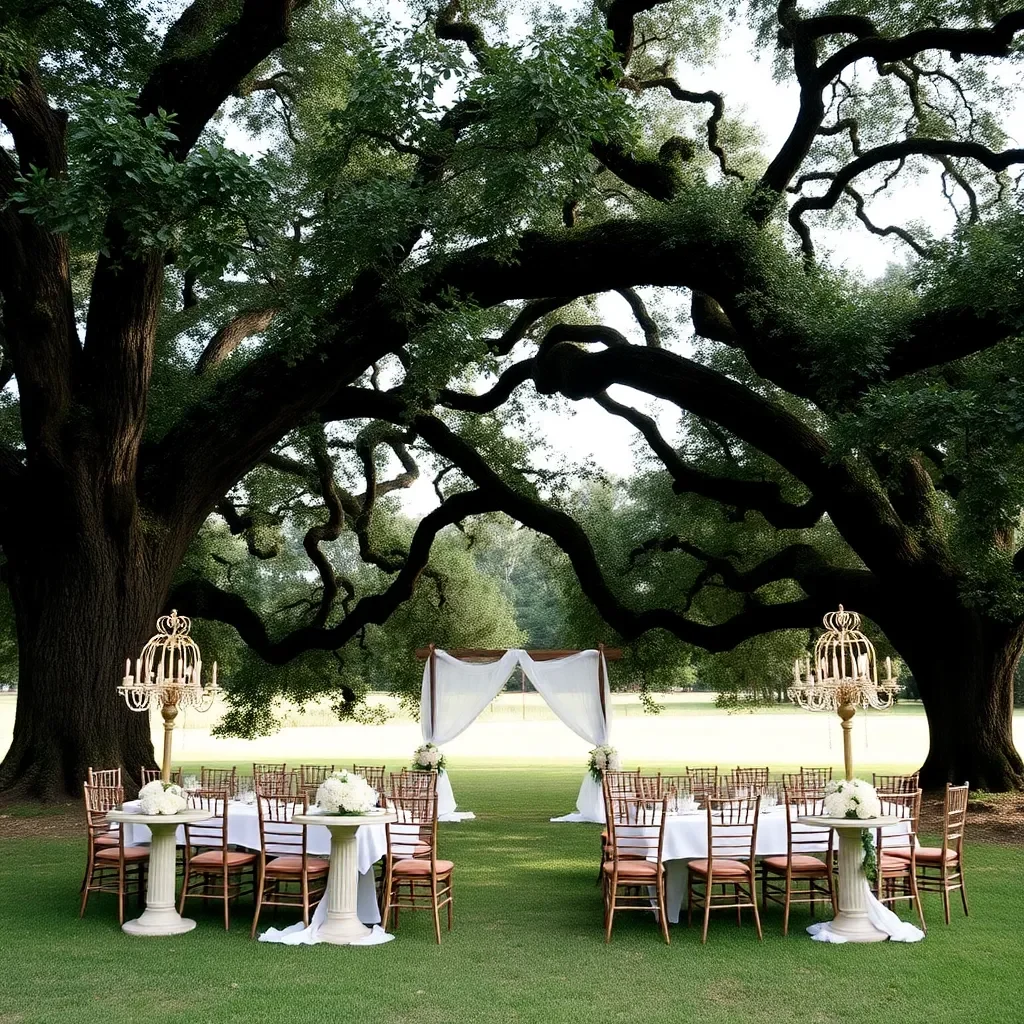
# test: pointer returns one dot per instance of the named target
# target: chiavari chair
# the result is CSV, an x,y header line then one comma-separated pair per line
x,y
896,852
636,831
148,775
212,871
414,877
104,778
896,783
703,782
801,864
941,868
732,839
409,783
312,775
618,784
751,779
284,863
274,777
654,787
374,775
815,779
219,778
110,866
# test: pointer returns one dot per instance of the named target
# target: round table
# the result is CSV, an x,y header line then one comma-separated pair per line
x,y
160,917
852,920
342,926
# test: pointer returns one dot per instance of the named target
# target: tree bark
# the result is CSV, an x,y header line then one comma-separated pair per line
x,y
84,600
964,665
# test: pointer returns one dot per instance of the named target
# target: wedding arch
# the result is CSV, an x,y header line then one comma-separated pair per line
x,y
459,684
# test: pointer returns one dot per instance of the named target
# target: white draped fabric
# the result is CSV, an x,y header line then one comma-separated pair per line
x,y
462,690
569,687
880,916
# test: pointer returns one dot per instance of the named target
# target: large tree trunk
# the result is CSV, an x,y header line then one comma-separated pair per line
x,y
83,604
964,665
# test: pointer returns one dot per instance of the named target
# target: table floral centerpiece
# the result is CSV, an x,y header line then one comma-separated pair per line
x,y
855,798
603,759
158,797
428,758
345,793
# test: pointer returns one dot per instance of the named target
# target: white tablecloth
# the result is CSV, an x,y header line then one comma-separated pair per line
x,y
244,830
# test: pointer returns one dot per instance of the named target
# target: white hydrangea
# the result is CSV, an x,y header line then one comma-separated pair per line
x,y
856,799
345,793
161,798
428,757
604,759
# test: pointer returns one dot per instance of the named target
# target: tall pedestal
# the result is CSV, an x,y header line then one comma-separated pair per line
x,y
852,922
342,925
160,916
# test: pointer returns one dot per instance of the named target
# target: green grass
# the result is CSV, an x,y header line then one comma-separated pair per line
x,y
527,947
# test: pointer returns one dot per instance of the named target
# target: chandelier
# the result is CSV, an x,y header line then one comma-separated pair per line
x,y
843,676
168,675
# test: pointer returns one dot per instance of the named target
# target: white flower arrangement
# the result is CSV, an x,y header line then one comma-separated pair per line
x,y
428,757
845,798
345,793
159,797
603,759
851,799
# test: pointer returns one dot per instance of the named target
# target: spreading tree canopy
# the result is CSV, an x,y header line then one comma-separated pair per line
x,y
264,256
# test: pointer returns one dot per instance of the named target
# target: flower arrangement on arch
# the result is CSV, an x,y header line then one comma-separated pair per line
x,y
345,793
855,798
603,759
427,758
158,797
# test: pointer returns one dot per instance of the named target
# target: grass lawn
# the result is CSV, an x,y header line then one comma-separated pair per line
x,y
527,946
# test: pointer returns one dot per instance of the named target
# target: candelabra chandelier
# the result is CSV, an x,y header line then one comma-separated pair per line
x,y
168,675
843,676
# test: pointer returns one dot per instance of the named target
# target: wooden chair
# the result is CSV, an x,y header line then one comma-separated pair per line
x,y
104,778
636,830
312,775
212,871
284,862
110,866
703,782
896,852
800,864
940,868
732,839
414,877
751,779
616,785
896,783
219,778
272,777
155,774
374,775
654,787
815,778
407,783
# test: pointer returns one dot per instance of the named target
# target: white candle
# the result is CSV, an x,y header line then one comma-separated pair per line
x,y
888,668
215,673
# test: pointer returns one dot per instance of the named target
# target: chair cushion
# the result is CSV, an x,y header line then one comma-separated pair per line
x,y
421,868
894,865
926,854
404,852
293,866
110,840
133,853
803,864
214,859
722,868
645,869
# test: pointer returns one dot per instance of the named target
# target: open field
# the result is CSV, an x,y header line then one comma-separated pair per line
x,y
693,731
527,947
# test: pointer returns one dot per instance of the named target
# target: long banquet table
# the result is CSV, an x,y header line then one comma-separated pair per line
x,y
244,830
686,838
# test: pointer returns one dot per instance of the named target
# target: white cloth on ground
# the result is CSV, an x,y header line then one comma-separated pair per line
x,y
880,916
300,935
589,802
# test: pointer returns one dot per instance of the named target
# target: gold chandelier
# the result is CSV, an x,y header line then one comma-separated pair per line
x,y
843,676
168,675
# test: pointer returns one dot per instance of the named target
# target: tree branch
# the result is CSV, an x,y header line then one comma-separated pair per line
x,y
244,325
